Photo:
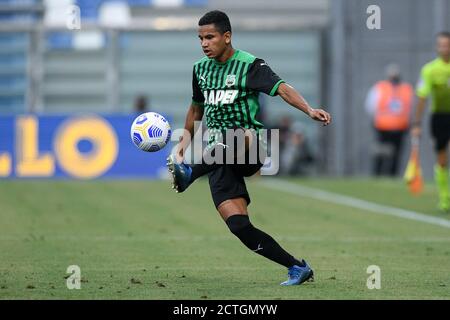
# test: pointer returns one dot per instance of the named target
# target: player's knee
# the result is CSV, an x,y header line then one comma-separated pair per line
x,y
238,223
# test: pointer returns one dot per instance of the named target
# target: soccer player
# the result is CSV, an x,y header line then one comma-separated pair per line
x,y
226,84
435,81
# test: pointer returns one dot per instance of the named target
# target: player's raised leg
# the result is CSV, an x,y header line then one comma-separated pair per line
x,y
181,173
184,175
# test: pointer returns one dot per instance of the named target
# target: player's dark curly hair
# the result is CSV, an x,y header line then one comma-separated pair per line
x,y
218,18
444,34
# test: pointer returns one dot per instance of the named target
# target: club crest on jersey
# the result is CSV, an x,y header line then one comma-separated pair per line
x,y
230,80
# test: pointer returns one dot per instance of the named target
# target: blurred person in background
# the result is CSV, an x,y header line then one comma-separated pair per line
x,y
389,104
435,82
141,104
284,125
296,155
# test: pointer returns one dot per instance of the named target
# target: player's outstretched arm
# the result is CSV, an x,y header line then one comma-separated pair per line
x,y
291,96
195,113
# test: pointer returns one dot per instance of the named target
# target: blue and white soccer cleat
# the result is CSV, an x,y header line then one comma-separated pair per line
x,y
181,174
297,275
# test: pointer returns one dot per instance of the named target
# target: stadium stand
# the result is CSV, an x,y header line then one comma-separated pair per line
x,y
14,47
13,79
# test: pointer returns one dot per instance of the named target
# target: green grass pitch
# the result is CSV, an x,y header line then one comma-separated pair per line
x,y
141,240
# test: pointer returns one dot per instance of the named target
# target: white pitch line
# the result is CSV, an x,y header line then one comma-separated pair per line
x,y
336,198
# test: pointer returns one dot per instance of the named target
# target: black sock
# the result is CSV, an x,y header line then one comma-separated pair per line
x,y
259,241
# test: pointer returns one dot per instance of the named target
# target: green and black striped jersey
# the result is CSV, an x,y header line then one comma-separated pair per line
x,y
229,91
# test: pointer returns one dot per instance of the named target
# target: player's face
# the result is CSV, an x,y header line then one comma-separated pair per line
x,y
212,41
443,47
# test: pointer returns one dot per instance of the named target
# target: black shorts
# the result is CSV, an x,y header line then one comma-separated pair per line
x,y
227,181
440,130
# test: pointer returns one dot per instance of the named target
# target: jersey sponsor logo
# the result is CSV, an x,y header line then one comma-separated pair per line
x,y
230,80
214,97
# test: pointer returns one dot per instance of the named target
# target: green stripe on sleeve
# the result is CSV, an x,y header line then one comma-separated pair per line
x,y
275,87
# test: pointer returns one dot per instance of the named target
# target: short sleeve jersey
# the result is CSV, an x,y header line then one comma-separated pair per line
x,y
229,91
435,82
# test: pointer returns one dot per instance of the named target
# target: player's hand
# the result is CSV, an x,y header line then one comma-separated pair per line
x,y
416,131
320,115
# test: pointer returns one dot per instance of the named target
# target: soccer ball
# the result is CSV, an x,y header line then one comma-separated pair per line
x,y
150,132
